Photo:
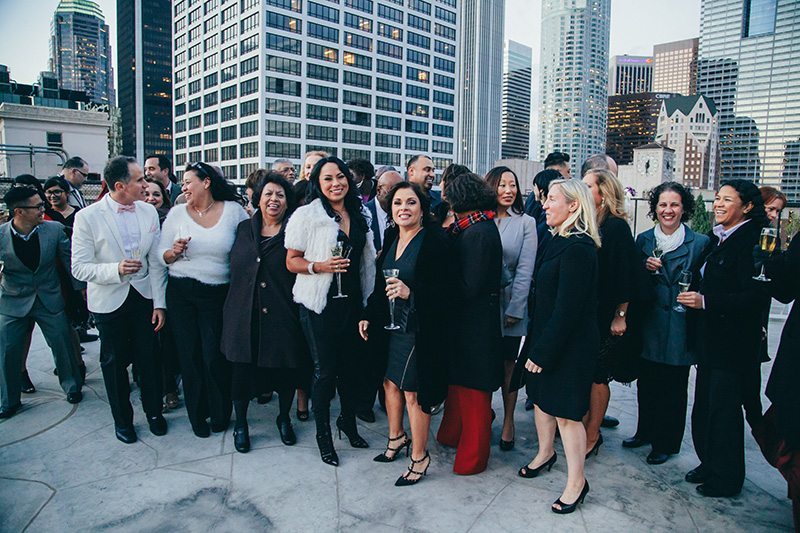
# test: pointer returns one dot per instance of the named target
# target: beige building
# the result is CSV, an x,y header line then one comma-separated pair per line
x,y
675,67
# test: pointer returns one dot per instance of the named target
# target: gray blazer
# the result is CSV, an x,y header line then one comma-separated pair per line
x,y
667,337
518,235
20,286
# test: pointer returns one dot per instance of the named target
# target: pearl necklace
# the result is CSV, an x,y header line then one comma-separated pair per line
x,y
202,212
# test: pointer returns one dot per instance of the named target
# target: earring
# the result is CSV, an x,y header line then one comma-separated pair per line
x,y
603,200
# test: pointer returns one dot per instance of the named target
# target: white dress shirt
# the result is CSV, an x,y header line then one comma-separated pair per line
x,y
128,225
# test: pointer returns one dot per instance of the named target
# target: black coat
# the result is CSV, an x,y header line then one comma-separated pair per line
x,y
782,387
431,291
618,270
730,324
259,312
476,359
563,338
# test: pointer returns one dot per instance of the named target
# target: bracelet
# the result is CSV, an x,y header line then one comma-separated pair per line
x,y
310,268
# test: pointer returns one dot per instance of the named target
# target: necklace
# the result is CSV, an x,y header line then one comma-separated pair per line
x,y
202,212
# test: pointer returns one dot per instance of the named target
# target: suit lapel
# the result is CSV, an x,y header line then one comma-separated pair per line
x,y
111,222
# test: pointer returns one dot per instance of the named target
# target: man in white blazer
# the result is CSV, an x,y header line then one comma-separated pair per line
x,y
114,250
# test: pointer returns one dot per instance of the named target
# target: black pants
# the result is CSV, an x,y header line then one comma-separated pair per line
x,y
127,337
168,355
718,425
330,338
662,391
196,318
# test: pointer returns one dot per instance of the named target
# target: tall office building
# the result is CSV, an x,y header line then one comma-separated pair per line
x,y
632,122
675,67
480,83
256,80
573,78
515,130
630,75
80,53
144,57
748,66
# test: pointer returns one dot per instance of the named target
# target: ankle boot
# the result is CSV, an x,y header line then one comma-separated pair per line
x,y
325,445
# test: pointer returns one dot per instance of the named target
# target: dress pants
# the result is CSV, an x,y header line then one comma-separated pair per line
x,y
467,426
127,337
196,319
168,355
718,425
662,391
14,343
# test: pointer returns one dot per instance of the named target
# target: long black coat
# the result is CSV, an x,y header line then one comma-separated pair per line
x,y
432,291
563,337
476,360
730,325
782,387
259,312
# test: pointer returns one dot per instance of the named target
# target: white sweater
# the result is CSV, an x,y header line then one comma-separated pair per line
x,y
209,249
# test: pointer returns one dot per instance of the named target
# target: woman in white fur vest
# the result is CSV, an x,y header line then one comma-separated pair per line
x,y
332,291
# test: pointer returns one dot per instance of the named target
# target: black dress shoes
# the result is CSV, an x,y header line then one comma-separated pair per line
x,y
74,397
529,404
27,384
657,458
286,431
158,426
609,422
367,416
87,337
698,475
712,492
219,427
202,430
8,412
126,435
634,442
241,439
264,398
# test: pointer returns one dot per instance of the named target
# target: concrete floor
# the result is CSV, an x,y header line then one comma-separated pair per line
x,y
61,469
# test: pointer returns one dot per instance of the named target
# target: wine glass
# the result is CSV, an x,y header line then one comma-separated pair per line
x,y
768,241
657,253
184,234
684,281
338,251
388,274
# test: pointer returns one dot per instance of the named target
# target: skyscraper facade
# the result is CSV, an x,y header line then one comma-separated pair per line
x,y
675,67
480,83
630,75
748,66
632,122
573,78
80,53
257,80
144,57
515,129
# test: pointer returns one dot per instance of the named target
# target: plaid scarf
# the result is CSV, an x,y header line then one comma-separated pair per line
x,y
473,218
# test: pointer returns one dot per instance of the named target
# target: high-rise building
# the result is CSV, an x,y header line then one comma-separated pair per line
x,y
480,83
632,122
748,65
80,53
515,130
689,125
257,80
144,57
573,78
630,74
675,67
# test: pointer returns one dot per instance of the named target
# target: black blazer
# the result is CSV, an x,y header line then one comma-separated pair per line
x,y
432,292
730,325
376,231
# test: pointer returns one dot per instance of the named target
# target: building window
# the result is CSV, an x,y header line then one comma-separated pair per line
x,y
180,109
180,143
419,23
441,147
388,104
228,74
443,114
194,122
210,81
228,13
415,74
319,92
210,99
210,154
386,140
445,15
283,44
445,48
440,130
228,54
227,113
390,13
180,126
390,50
282,86
248,86
357,60
287,150
361,5
194,140
229,152
390,32
229,33
392,69
389,86
228,133
356,137
248,150
357,80
357,99
321,112
54,139
210,118
279,128
248,129
248,45
250,23
358,41
419,58
420,93
445,31
324,33
283,22
227,93
352,153
325,53
323,12
282,64
415,126
443,98
273,106
359,118
440,63
441,80
361,23
322,133
416,144
387,158
418,40
194,104
417,110
421,6
291,5
332,150
387,123
758,17
210,136
319,72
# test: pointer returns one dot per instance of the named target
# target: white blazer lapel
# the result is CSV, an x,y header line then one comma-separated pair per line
x,y
111,222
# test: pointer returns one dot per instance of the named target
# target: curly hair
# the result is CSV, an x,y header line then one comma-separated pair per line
x,y
687,200
468,192
493,180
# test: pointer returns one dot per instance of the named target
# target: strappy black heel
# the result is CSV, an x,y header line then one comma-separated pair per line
x,y
404,481
383,458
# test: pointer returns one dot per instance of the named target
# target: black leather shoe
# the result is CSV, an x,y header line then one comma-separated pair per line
x,y
8,412
74,397
712,492
158,426
634,442
202,430
87,337
241,439
27,384
698,475
126,435
367,416
264,398
529,404
286,431
220,426
657,458
609,422
506,445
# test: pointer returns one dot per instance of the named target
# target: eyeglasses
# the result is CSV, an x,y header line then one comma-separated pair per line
x,y
57,192
81,172
39,206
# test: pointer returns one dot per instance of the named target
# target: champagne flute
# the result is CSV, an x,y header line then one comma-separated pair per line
x,y
336,252
684,281
657,253
184,234
768,241
388,274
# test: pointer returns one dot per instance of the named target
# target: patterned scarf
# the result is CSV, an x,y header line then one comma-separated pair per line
x,y
473,218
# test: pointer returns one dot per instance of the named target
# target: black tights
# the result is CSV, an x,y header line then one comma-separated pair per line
x,y
285,401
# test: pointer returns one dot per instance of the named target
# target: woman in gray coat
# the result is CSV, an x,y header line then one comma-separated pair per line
x,y
668,350
518,235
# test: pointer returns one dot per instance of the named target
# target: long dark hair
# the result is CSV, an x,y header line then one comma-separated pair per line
x,y
424,200
352,202
468,192
166,202
687,200
220,189
749,194
278,179
493,180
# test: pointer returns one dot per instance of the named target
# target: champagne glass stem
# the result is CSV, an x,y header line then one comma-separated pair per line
x,y
339,284
391,314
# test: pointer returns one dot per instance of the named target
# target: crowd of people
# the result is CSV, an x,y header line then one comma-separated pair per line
x,y
351,282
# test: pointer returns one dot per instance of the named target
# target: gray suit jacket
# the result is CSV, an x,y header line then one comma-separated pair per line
x,y
518,234
20,285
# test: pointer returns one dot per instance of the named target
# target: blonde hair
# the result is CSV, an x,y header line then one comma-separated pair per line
x,y
318,153
612,192
582,220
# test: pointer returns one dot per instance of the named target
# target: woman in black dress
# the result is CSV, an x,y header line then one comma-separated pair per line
x,y
562,344
261,333
415,373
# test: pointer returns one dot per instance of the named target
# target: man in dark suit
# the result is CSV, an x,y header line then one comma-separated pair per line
x,y
420,170
379,208
159,168
75,170
30,249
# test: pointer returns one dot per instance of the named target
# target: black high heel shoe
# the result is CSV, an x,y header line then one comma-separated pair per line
x,y
596,448
326,451
506,445
302,416
349,428
383,458
286,430
530,473
241,439
404,481
567,508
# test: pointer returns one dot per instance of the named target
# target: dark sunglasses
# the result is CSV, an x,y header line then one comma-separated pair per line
x,y
201,169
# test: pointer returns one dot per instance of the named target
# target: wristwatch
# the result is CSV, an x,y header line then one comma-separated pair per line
x,y
621,314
